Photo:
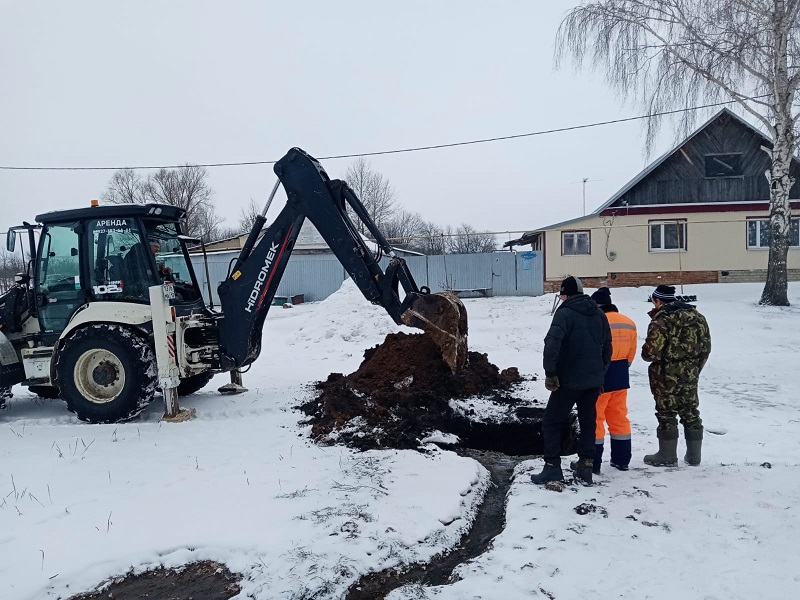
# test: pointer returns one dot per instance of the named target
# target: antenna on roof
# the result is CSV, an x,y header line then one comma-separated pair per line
x,y
584,181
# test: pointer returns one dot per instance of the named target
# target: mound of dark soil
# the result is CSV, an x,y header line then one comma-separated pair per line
x,y
399,392
204,580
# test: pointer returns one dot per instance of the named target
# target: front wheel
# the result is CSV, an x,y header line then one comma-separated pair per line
x,y
106,373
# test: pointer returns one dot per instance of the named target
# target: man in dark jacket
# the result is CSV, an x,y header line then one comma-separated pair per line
x,y
677,347
577,352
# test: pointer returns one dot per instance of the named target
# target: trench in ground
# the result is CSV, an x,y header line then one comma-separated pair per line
x,y
499,447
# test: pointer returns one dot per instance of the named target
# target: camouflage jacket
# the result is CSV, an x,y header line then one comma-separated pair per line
x,y
678,345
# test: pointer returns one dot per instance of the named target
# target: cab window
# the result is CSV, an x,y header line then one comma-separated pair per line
x,y
121,265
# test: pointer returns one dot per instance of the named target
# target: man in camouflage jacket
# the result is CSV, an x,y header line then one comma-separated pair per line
x,y
677,347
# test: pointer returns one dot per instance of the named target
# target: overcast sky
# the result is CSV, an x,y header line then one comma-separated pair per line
x,y
112,84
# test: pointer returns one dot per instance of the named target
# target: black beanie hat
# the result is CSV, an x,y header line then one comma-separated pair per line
x,y
665,293
571,286
602,296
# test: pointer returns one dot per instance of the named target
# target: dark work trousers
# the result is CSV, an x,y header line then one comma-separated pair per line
x,y
556,416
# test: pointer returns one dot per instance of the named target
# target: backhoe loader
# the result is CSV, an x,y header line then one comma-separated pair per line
x,y
98,320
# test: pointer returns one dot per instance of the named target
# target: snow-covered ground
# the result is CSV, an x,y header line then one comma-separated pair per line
x,y
242,484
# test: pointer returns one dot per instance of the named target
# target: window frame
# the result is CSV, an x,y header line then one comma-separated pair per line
x,y
575,232
717,154
758,221
661,223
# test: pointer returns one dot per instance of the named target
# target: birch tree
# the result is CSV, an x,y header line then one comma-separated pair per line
x,y
669,54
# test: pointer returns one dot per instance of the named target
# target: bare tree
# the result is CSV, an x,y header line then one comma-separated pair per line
x,y
673,53
374,191
125,187
186,188
404,229
468,240
247,217
432,240
10,265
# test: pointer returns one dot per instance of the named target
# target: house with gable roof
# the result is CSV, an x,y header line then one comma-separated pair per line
x,y
698,214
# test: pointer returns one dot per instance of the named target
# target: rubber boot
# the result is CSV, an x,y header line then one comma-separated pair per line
x,y
598,460
667,454
583,471
550,472
694,442
598,457
620,454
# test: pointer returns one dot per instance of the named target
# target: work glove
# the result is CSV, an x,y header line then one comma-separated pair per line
x,y
551,383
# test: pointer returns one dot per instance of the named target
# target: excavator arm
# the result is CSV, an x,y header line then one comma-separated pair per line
x,y
247,293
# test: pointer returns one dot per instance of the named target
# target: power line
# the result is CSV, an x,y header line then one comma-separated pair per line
x,y
384,152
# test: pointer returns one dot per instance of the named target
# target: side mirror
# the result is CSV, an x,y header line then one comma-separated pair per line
x,y
11,239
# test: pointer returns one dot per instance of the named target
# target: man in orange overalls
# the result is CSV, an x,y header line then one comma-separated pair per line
x,y
612,407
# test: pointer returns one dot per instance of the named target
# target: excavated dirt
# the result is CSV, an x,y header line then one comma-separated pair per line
x,y
399,393
205,580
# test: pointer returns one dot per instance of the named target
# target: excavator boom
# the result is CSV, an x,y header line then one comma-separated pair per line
x,y
247,293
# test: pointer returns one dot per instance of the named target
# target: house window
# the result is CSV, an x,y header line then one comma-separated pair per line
x,y
575,243
758,233
723,165
667,236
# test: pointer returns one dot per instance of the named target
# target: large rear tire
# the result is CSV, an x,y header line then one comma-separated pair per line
x,y
106,373
5,394
195,383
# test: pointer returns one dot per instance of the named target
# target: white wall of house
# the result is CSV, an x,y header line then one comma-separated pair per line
x,y
715,241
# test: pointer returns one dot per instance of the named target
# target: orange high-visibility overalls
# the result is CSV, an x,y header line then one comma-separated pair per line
x,y
612,404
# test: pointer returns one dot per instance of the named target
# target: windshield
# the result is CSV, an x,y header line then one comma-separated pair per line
x,y
125,261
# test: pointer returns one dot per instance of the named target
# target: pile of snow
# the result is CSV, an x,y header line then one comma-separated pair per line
x,y
241,483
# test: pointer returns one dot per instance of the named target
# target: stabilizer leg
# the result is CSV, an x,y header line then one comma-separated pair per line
x,y
235,386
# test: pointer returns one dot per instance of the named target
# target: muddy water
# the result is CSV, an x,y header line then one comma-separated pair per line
x,y
489,522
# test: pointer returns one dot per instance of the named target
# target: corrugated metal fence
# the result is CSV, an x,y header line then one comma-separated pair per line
x,y
317,276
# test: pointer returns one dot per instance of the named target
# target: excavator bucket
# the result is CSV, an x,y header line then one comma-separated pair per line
x,y
444,318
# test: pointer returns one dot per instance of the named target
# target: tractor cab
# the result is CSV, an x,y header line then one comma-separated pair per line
x,y
108,254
